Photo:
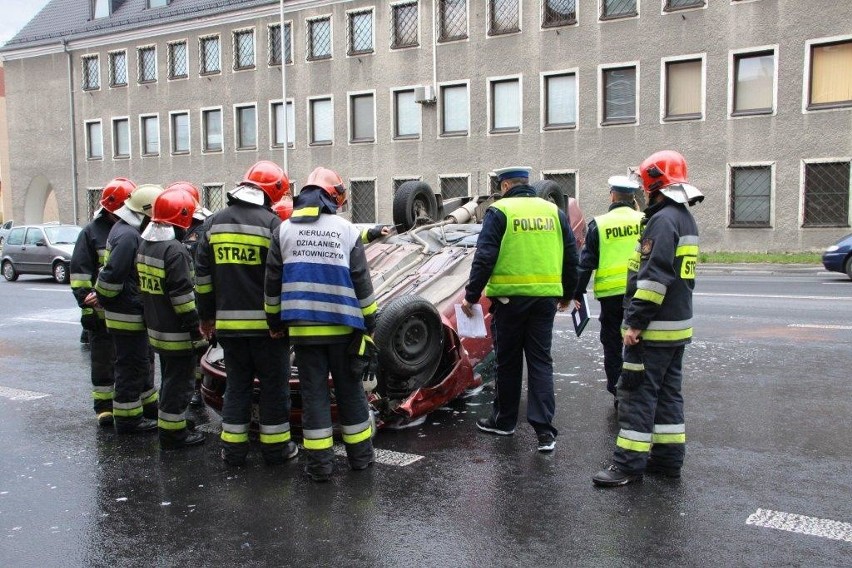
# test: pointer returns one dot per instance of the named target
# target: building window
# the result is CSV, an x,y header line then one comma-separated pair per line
x,y
612,9
178,64
831,75
150,135
94,140
91,73
275,44
121,138
827,194
157,3
210,55
683,89
560,101
404,25
244,49
454,110
102,9
504,16
505,105
147,64
398,181
455,186
619,95
118,69
319,38
558,13
754,83
212,196
246,127
93,202
180,133
211,123
567,181
363,200
672,5
322,115
452,20
360,32
751,196
406,115
278,124
362,118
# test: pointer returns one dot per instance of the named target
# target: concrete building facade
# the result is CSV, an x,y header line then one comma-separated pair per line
x,y
757,94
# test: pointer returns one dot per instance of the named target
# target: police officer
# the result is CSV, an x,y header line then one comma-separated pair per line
x,y
86,262
318,283
230,267
526,260
166,283
609,244
657,325
134,405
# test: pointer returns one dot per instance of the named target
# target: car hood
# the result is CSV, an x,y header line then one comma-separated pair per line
x,y
66,249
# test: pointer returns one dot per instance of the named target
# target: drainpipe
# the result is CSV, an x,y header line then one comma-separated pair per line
x,y
435,47
284,92
73,130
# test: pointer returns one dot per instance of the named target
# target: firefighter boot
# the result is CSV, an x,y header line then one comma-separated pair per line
x,y
276,454
360,455
319,464
179,439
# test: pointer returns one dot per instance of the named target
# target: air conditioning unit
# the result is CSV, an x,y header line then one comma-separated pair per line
x,y
424,94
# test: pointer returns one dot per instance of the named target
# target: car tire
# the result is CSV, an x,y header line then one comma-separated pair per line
x,y
551,191
412,201
60,272
409,336
9,272
848,267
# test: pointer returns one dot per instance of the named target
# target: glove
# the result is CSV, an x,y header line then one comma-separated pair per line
x,y
363,357
632,369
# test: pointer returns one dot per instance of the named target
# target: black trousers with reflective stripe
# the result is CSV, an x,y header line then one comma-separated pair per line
x,y
658,400
612,313
102,356
177,382
134,366
523,328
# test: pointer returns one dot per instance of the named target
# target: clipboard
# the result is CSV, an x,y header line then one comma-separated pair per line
x,y
581,317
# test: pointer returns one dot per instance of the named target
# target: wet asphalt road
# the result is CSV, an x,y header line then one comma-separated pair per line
x,y
768,404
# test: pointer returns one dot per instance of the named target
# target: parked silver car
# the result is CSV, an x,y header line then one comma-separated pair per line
x,y
39,249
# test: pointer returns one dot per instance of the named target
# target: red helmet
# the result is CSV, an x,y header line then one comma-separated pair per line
x,y
284,207
269,178
115,193
330,181
186,186
662,169
174,207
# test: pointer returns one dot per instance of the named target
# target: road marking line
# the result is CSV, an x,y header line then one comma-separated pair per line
x,y
61,290
18,394
385,457
816,326
45,320
773,296
813,526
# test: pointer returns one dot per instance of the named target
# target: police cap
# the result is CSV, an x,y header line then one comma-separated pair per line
x,y
513,173
622,184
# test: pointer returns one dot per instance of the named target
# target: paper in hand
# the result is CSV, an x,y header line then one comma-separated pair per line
x,y
473,326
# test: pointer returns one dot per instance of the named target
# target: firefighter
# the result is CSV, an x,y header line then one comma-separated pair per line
x,y
86,262
318,285
230,267
135,401
526,260
609,244
657,325
165,281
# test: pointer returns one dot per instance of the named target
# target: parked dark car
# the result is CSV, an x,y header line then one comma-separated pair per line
x,y
39,249
838,257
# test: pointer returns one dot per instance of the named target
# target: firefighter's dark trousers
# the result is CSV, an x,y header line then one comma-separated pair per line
x,y
523,328
135,394
177,382
102,354
650,416
612,312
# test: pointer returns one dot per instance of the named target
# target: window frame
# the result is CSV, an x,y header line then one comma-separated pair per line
x,y
235,34
438,5
237,127
392,19
666,9
442,177
310,122
489,20
491,106
269,62
170,57
115,154
111,70
440,109
575,22
173,139
139,67
203,114
807,75
83,61
664,88
602,122
394,117
350,115
734,56
273,125
350,52
202,60
729,194
605,18
142,136
308,37
802,191
543,76
88,139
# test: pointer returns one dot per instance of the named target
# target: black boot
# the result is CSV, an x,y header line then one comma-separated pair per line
x,y
614,477
170,440
136,426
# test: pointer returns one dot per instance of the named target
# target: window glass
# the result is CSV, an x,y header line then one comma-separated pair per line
x,y
121,138
246,127
827,194
319,39
831,74
278,116
361,32
210,62
150,135
751,190
407,114
244,49
754,82
620,95
363,118
177,60
147,64
683,88
506,105
16,236
91,73
118,68
404,25
96,141
321,121
453,19
34,235
561,101
504,16
559,13
454,109
212,130
102,8
180,132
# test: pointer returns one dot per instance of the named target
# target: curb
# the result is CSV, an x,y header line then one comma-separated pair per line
x,y
756,269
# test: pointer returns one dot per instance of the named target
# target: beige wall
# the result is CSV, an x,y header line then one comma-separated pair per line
x,y
5,186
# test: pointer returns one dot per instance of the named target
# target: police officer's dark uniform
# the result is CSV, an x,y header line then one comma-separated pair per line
x,y
610,242
526,261
657,325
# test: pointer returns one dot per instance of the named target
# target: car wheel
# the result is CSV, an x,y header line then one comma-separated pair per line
x,y
848,267
551,191
409,337
9,272
60,272
412,201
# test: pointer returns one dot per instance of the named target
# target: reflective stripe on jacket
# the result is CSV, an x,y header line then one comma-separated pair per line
x,y
117,285
618,232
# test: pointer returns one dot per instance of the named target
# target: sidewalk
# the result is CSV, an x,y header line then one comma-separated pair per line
x,y
762,269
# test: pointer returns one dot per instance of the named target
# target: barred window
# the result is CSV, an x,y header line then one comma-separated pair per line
x,y
147,64
611,9
94,141
121,138
683,89
93,201
360,32
178,63
212,196
362,113
754,83
210,55
91,73
211,123
118,69
827,194
397,182
454,110
619,95
560,101
452,20
319,38
751,196
275,44
246,118
406,115
672,5
150,135
566,180
503,16
278,124
180,133
322,116
831,75
404,18
455,186
558,13
244,49
363,200
493,184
